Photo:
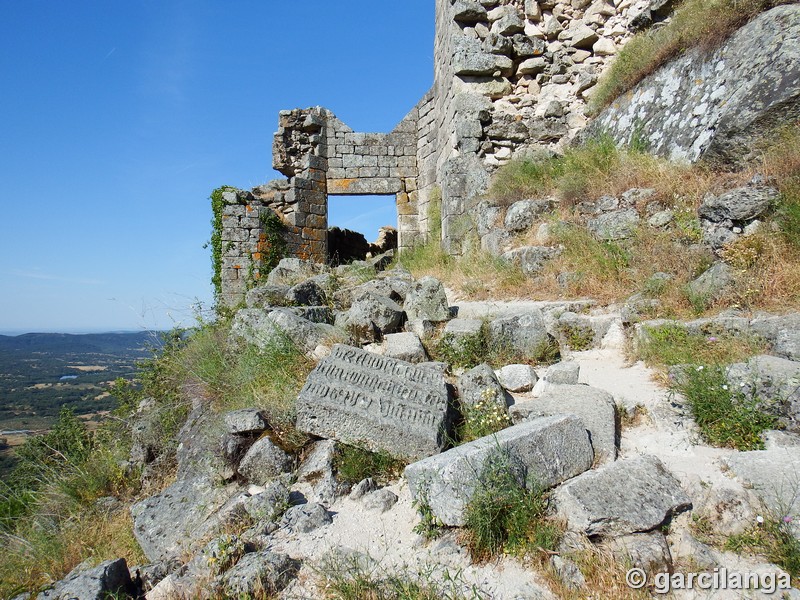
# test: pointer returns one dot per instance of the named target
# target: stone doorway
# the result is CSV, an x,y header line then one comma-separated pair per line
x,y
360,226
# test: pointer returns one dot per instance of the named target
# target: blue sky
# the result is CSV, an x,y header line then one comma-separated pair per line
x,y
117,119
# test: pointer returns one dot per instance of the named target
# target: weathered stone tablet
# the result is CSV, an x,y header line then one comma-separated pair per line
x,y
375,402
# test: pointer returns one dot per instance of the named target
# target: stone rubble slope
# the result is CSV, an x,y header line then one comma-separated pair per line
x,y
567,437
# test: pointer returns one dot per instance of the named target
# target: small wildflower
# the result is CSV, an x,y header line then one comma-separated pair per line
x,y
760,520
700,368
712,339
787,519
725,387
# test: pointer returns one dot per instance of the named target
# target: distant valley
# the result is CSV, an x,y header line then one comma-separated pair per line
x,y
41,372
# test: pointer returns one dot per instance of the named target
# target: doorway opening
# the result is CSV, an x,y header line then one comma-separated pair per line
x,y
360,227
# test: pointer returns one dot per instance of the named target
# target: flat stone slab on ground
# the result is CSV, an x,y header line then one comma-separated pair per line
x,y
550,450
404,346
595,407
774,475
375,402
633,495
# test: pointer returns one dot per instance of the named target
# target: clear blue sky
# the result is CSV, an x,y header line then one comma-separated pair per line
x,y
118,118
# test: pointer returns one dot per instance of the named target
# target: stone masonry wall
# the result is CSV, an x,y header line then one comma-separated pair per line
x,y
244,241
511,77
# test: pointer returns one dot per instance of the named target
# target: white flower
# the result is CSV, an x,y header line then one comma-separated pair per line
x,y
700,368
724,387
760,520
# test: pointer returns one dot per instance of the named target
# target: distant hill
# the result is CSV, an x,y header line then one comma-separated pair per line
x,y
78,343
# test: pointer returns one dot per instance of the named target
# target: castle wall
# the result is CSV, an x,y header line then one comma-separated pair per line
x,y
511,78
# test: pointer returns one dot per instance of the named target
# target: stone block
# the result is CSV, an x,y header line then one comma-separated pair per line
x,y
404,346
524,332
595,408
377,403
549,450
264,461
517,378
480,384
774,476
108,579
427,300
181,516
247,420
633,495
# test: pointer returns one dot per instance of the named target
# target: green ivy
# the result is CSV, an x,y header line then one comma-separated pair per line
x,y
272,246
217,208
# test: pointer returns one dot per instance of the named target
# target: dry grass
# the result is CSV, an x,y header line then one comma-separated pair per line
x,y
703,24
604,575
768,273
767,263
38,558
600,168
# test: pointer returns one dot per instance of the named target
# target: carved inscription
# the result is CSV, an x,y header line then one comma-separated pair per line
x,y
356,396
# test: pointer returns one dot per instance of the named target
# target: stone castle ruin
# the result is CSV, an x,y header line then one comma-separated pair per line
x,y
511,77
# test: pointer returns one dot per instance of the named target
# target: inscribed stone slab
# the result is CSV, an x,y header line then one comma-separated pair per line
x,y
379,403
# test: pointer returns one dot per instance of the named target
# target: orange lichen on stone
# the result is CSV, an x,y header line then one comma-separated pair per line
x,y
340,186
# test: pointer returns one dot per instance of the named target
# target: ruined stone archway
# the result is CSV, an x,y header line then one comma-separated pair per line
x,y
323,157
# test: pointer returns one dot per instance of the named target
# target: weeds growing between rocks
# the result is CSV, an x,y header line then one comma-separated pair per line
x,y
359,577
672,344
774,539
353,465
504,516
483,418
469,351
725,417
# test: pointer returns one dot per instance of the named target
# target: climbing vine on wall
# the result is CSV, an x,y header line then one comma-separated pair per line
x,y
271,243
217,207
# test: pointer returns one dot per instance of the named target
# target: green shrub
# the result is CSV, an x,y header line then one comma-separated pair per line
x,y
430,526
578,337
725,417
503,515
353,465
465,351
672,344
483,418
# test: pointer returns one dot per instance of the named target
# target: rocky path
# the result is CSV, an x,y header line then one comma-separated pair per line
x,y
663,429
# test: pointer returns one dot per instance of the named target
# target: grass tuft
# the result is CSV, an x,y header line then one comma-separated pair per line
x,y
774,539
673,344
359,577
353,465
503,516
